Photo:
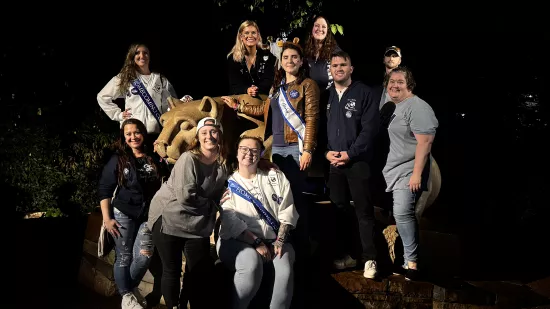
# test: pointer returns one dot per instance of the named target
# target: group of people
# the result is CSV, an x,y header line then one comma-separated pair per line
x,y
312,111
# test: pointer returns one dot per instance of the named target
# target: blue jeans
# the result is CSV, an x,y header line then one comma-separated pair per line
x,y
249,269
404,204
131,265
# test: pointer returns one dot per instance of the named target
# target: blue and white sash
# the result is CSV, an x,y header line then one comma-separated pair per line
x,y
264,213
146,97
292,118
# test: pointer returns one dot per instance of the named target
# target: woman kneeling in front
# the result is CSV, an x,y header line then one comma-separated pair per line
x,y
256,220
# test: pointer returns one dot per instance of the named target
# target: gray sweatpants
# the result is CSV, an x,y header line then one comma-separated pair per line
x,y
248,266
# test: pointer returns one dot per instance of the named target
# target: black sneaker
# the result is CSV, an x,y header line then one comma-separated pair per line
x,y
412,275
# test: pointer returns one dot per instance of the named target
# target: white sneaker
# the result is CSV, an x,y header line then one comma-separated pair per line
x,y
140,298
370,269
129,301
346,262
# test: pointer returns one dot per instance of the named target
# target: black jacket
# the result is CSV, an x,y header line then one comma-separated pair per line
x,y
260,75
131,198
353,122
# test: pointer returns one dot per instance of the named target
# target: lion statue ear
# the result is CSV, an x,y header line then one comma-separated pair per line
x,y
296,40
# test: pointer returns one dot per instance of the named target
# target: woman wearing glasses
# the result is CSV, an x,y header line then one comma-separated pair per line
x,y
256,220
250,68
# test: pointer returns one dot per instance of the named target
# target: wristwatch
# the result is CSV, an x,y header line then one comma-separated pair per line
x,y
257,242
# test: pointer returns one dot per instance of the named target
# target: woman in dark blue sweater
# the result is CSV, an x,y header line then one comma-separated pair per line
x,y
128,183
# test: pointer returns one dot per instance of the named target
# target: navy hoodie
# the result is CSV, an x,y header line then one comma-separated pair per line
x,y
353,121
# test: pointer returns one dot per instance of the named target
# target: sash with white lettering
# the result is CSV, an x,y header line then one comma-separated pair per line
x,y
292,118
146,97
266,215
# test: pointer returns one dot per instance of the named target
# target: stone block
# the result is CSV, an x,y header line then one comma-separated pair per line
x,y
90,248
355,283
99,265
95,219
541,287
90,277
411,289
443,305
382,301
463,293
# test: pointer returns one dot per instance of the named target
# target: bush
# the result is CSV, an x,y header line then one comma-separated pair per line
x,y
53,172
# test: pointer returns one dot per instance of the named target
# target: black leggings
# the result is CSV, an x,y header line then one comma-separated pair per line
x,y
199,269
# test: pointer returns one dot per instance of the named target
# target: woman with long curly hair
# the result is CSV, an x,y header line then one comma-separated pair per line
x,y
128,183
320,45
145,92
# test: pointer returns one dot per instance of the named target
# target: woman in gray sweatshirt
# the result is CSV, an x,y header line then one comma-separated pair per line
x,y
183,214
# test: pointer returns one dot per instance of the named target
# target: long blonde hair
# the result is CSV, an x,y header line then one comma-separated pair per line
x,y
128,73
239,50
195,148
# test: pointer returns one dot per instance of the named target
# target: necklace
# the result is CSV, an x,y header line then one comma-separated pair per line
x,y
251,186
146,80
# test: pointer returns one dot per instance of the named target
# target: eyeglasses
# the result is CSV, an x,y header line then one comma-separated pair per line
x,y
245,150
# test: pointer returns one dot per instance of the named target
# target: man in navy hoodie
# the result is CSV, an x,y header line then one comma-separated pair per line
x,y
352,124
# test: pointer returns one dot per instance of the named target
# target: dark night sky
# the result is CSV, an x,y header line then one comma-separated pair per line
x,y
466,59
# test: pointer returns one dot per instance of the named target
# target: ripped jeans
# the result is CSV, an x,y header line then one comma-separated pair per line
x,y
134,250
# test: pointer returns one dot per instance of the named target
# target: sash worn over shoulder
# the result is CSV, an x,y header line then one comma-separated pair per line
x,y
264,213
147,99
291,117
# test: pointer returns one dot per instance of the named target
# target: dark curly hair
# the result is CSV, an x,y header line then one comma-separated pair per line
x,y
125,154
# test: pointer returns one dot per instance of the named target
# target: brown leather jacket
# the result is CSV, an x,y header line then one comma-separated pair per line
x,y
306,104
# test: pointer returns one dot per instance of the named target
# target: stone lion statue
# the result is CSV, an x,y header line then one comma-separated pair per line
x,y
179,124
179,129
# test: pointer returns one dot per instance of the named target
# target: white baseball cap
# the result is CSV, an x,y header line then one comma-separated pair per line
x,y
215,123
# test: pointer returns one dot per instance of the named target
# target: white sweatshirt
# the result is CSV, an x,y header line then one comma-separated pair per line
x,y
158,90
273,190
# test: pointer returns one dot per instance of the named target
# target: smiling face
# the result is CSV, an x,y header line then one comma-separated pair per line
x,y
249,152
291,61
320,28
397,87
209,136
340,69
250,36
133,136
141,57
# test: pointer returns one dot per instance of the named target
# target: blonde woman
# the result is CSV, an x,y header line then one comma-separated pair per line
x,y
145,92
250,68
182,216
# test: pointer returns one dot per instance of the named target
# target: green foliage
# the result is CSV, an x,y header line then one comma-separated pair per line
x,y
54,173
295,12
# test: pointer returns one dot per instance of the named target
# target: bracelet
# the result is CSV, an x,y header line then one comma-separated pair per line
x,y
308,151
236,108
